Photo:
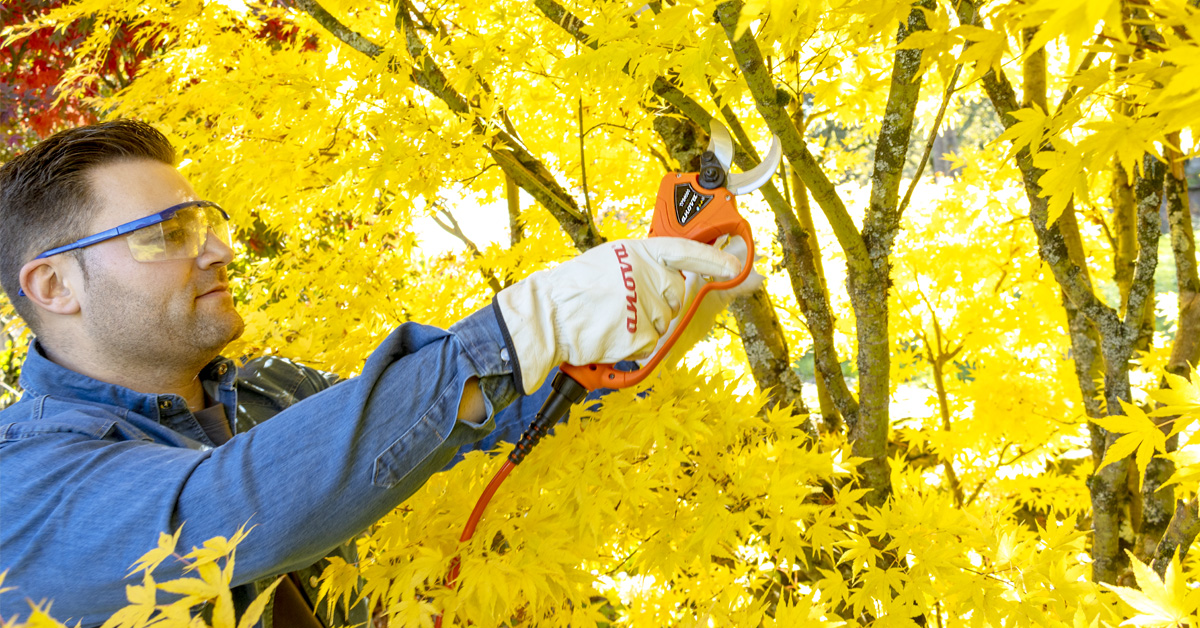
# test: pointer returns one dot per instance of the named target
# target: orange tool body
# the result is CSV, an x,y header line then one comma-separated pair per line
x,y
683,209
699,206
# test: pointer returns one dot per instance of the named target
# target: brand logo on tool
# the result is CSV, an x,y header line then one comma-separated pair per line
x,y
630,285
689,202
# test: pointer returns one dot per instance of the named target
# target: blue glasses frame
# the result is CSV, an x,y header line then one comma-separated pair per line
x,y
129,227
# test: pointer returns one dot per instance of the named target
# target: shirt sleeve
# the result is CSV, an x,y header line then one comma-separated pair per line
x,y
90,502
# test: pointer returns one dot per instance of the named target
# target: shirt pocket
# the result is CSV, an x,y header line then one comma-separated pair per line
x,y
93,427
417,445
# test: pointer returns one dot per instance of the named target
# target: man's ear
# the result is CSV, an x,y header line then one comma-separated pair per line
x,y
51,285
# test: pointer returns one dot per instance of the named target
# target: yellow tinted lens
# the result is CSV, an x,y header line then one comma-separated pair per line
x,y
146,244
183,234
176,238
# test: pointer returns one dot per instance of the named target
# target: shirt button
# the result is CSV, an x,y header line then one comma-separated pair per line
x,y
165,404
504,354
222,368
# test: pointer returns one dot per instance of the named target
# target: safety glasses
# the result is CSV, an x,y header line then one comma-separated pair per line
x,y
177,232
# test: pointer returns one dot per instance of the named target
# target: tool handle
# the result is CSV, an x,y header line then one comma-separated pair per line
x,y
593,376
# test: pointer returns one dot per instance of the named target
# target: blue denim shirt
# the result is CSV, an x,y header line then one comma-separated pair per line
x,y
93,472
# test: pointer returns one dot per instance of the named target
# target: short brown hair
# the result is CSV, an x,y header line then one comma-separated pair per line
x,y
46,199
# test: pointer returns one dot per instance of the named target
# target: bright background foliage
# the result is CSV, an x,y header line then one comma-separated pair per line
x,y
987,445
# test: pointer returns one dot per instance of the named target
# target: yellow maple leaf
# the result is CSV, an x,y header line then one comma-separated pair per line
x,y
142,599
1187,466
1127,138
1180,398
1141,435
1073,19
1029,129
218,548
152,559
986,51
1065,176
339,580
39,617
1160,602
255,610
194,587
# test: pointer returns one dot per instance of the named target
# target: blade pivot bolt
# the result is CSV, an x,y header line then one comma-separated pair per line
x,y
712,174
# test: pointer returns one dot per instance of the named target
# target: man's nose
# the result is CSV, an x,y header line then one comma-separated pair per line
x,y
215,252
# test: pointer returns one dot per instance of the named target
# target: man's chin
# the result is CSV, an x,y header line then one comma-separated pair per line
x,y
220,331
237,331
236,328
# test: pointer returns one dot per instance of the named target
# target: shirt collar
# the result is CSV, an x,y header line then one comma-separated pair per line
x,y
40,376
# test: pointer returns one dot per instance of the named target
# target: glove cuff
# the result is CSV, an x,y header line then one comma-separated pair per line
x,y
508,343
527,320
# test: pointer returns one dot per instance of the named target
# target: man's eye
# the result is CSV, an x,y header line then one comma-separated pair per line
x,y
174,235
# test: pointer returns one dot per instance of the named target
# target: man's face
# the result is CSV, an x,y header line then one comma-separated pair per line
x,y
175,312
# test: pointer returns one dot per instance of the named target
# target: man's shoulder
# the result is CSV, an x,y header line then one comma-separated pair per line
x,y
37,415
281,381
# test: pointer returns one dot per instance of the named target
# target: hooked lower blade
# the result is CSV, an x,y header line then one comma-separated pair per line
x,y
746,182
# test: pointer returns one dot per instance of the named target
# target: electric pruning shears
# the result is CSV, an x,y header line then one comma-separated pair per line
x,y
699,206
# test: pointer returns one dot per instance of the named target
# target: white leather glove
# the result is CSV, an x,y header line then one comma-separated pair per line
x,y
610,303
713,304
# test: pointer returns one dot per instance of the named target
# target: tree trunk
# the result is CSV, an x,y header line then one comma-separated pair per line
x,y
1108,485
867,253
1169,524
869,290
767,350
815,292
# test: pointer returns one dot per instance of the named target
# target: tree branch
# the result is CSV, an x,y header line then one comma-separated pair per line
x,y
937,123
587,197
1148,188
891,149
1185,351
938,361
1051,245
808,284
347,35
455,230
1107,486
528,171
758,80
574,26
505,148
1180,535
516,228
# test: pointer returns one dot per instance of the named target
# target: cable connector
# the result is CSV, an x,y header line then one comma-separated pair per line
x,y
565,392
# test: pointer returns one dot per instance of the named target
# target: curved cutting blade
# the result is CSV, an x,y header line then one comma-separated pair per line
x,y
721,144
746,182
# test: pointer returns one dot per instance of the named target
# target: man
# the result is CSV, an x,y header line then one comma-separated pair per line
x,y
132,424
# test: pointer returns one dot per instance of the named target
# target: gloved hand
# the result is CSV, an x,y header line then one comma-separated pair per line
x,y
713,304
609,304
